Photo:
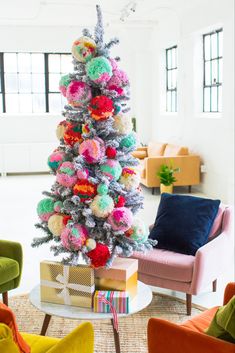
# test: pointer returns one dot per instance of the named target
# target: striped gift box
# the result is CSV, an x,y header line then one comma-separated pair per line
x,y
120,300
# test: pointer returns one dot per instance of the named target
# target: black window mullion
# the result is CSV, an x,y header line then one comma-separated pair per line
x,y
210,60
169,90
46,67
3,83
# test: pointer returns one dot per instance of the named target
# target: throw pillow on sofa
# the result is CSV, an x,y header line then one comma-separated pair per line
x,y
223,324
183,222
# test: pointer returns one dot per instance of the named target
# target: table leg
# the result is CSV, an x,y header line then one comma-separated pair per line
x,y
45,324
116,338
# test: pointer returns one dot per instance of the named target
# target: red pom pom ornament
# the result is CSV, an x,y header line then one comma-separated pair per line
x,y
99,256
120,201
85,190
111,152
73,134
101,108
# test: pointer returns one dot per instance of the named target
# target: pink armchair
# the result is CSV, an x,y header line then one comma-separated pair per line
x,y
187,273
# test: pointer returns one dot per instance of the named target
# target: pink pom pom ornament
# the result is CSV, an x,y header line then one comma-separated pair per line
x,y
66,175
93,150
78,93
120,219
73,238
118,81
55,160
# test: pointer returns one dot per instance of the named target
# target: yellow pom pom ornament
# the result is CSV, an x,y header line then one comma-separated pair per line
x,y
56,224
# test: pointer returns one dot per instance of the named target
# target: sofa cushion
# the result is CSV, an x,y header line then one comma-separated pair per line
x,y
217,225
40,344
9,269
183,222
200,322
166,264
156,149
139,154
173,150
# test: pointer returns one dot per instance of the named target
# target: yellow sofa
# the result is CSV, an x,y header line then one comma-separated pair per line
x,y
80,340
155,154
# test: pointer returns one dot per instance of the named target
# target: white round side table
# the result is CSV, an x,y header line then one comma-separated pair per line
x,y
141,301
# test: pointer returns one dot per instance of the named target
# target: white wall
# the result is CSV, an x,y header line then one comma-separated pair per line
x,y
142,49
60,39
209,135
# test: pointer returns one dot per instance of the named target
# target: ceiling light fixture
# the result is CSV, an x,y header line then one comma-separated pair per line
x,y
127,10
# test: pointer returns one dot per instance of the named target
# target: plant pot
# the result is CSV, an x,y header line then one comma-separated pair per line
x,y
166,188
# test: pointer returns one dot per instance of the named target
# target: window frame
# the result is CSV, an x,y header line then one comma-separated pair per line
x,y
46,79
217,84
167,72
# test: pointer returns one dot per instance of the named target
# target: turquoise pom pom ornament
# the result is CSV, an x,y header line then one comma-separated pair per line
x,y
128,141
111,169
45,209
102,189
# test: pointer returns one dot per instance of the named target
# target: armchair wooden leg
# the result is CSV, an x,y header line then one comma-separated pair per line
x,y
190,189
214,285
153,189
189,303
5,298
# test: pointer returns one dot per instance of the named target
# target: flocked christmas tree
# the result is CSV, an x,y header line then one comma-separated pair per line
x,y
90,209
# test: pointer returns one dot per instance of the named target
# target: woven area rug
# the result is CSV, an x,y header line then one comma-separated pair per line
x,y
132,329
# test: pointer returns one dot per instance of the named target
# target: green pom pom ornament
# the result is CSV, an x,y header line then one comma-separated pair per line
x,y
102,206
128,141
45,209
63,84
102,189
138,231
99,69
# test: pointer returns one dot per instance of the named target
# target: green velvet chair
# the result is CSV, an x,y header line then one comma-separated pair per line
x,y
11,258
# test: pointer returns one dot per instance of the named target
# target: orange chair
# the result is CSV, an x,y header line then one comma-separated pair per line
x,y
189,337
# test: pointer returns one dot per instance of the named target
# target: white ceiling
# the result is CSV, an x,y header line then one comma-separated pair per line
x,y
82,12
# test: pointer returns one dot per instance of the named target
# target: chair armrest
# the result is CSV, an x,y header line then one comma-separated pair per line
x,y
12,250
80,340
165,336
211,260
229,292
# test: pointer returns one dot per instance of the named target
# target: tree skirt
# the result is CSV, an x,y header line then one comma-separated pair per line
x,y
132,329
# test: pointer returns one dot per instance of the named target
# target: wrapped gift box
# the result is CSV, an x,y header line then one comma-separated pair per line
x,y
119,300
70,285
122,276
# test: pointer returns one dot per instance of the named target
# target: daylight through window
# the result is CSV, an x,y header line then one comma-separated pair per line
x,y
213,71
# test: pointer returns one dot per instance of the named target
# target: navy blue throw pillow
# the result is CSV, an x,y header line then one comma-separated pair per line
x,y
183,222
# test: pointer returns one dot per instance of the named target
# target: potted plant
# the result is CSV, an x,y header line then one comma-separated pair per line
x,y
167,178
